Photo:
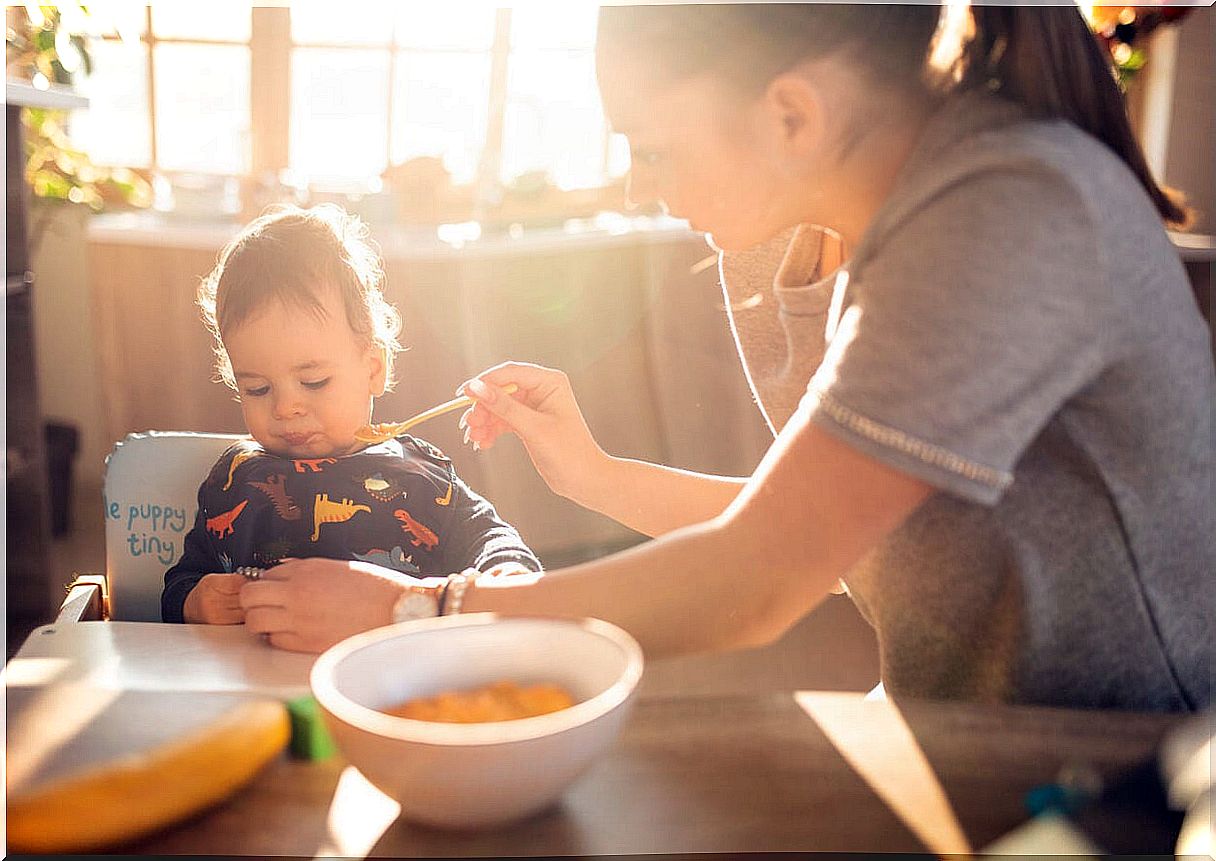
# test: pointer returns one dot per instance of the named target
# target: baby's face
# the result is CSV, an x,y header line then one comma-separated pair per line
x,y
306,383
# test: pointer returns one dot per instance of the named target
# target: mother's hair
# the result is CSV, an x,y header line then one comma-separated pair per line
x,y
1046,58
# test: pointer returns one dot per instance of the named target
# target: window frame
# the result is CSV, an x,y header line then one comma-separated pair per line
x,y
271,47
148,41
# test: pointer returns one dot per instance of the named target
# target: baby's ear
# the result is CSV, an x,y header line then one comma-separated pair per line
x,y
379,368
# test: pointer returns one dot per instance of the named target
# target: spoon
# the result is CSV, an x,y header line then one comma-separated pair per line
x,y
382,431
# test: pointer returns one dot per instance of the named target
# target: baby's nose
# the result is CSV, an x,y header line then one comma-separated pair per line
x,y
286,406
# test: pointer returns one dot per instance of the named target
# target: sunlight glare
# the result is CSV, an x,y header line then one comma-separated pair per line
x,y
55,716
34,11
875,740
32,672
358,816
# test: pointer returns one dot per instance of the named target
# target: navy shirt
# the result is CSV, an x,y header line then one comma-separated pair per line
x,y
398,504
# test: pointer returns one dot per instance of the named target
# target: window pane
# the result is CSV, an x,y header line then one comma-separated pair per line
x,y
116,19
339,106
330,23
115,129
225,20
463,28
554,25
553,120
202,107
439,109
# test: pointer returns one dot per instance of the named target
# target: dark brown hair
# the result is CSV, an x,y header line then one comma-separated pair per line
x,y
291,255
1045,58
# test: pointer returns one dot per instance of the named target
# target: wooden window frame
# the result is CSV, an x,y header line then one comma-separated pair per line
x,y
270,47
148,41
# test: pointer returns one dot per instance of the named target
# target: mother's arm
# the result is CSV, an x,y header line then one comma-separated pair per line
x,y
647,497
813,508
544,414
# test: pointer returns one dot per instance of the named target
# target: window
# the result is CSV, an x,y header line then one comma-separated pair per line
x,y
553,117
368,97
170,90
339,97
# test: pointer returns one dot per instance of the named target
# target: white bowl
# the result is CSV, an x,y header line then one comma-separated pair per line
x,y
482,774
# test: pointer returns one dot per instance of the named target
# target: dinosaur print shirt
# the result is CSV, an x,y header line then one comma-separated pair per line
x,y
398,504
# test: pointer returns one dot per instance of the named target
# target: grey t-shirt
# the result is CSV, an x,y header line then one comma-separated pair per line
x,y
1016,329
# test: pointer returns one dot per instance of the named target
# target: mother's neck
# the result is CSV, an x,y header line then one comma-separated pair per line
x,y
868,167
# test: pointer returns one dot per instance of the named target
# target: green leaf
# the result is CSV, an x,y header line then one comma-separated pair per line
x,y
44,40
57,170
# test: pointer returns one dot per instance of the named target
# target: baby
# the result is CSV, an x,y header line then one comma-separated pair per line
x,y
305,337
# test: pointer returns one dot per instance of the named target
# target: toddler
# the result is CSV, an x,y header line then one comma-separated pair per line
x,y
305,337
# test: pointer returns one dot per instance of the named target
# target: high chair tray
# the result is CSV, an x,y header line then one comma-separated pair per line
x,y
155,656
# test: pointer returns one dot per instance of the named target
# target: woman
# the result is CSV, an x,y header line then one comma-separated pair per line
x,y
992,421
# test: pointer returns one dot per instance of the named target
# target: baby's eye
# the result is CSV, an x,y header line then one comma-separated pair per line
x,y
256,391
315,384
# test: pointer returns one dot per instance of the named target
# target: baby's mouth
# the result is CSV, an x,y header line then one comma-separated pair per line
x,y
297,439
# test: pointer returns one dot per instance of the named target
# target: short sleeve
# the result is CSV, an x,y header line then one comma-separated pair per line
x,y
968,326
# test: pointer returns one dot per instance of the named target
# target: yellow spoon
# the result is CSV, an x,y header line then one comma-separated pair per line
x,y
382,431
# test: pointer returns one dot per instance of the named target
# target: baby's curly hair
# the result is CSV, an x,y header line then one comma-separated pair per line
x,y
290,254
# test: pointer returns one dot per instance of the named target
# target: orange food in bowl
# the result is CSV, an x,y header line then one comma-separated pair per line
x,y
495,702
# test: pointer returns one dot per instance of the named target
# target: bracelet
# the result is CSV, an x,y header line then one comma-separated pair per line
x,y
418,601
443,595
453,591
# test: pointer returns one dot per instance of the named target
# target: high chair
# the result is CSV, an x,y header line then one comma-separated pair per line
x,y
150,497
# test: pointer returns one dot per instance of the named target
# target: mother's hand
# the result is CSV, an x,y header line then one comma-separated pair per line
x,y
544,414
307,605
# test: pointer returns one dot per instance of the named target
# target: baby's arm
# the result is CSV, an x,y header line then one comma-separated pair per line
x,y
192,592
478,538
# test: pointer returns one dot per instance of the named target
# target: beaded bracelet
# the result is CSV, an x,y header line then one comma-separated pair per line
x,y
453,592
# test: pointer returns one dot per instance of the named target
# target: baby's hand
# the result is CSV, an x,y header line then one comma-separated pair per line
x,y
216,600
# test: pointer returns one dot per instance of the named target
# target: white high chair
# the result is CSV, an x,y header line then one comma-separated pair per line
x,y
150,499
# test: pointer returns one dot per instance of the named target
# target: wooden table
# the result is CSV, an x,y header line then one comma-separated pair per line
x,y
782,772
723,775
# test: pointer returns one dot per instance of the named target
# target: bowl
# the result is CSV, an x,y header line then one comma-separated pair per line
x,y
476,775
